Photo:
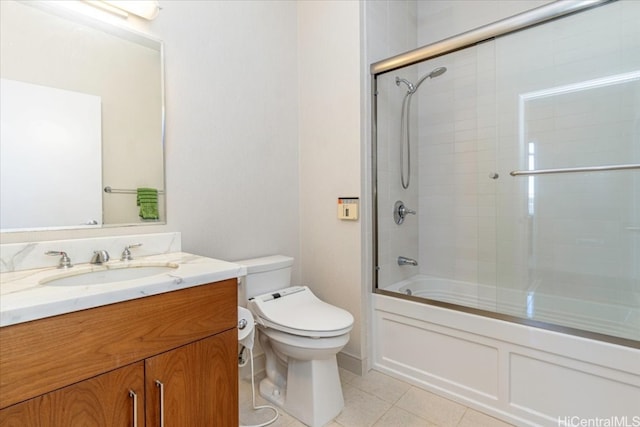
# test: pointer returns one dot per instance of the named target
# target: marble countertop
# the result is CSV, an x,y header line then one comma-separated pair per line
x,y
24,296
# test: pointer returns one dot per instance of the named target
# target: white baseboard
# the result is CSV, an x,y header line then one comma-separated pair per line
x,y
351,363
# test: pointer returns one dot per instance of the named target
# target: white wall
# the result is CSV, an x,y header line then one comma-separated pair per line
x,y
330,143
440,19
232,126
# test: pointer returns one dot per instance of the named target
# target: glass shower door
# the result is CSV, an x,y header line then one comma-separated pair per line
x,y
568,212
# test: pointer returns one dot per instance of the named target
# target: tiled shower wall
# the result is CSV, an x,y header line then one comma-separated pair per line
x,y
574,231
471,122
393,27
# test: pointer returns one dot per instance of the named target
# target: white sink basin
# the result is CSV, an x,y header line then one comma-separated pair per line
x,y
107,274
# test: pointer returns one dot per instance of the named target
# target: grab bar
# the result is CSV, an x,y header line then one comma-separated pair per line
x,y
108,189
583,169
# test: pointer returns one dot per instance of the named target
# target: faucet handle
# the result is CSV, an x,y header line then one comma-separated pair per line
x,y
400,211
65,261
126,253
99,257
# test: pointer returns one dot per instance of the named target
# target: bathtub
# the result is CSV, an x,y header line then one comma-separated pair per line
x,y
521,373
618,320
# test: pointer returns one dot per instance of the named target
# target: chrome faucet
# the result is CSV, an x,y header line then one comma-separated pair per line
x,y
402,260
126,254
99,257
65,261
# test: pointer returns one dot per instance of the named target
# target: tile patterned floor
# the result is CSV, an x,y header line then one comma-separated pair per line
x,y
377,400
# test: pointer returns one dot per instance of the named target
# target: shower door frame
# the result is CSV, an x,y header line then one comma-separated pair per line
x,y
467,39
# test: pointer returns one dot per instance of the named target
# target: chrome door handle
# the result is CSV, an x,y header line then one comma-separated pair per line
x,y
161,387
134,396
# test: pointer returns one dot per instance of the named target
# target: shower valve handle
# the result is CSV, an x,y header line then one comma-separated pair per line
x,y
406,211
400,211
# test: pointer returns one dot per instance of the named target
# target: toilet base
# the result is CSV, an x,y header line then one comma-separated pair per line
x,y
313,392
272,393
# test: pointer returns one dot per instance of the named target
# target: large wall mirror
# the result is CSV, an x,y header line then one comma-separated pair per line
x,y
82,121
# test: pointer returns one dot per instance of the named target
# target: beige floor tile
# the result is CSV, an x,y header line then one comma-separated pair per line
x,y
381,385
433,408
369,401
244,396
396,417
361,409
289,421
473,418
250,416
346,376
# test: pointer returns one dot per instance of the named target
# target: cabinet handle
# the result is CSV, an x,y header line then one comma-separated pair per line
x,y
160,385
134,396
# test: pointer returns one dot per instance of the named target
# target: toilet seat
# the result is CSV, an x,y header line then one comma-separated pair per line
x,y
297,311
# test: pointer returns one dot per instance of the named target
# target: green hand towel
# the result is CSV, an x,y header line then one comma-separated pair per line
x,y
147,199
149,211
147,194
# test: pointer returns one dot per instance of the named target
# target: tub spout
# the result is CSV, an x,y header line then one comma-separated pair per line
x,y
402,260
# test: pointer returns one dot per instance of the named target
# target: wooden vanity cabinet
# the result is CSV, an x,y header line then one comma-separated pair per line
x,y
182,375
105,400
173,355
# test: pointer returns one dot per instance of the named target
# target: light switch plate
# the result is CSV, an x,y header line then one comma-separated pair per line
x,y
348,208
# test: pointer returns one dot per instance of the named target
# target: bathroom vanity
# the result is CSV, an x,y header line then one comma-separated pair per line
x,y
171,355
166,356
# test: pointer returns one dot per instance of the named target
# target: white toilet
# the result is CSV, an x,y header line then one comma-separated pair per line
x,y
300,335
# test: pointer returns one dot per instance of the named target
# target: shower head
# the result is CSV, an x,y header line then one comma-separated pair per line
x,y
434,73
437,72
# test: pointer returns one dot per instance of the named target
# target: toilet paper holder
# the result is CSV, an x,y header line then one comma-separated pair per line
x,y
246,326
242,323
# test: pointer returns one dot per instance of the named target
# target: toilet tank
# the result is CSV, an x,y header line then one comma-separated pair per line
x,y
264,275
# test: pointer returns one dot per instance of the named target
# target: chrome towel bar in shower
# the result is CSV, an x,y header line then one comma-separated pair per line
x,y
570,170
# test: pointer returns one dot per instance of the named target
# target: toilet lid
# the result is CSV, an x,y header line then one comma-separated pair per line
x,y
298,311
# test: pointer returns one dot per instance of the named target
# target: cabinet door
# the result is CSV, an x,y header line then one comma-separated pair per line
x,y
195,385
103,401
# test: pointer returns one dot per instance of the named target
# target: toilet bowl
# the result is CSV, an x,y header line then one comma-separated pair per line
x,y
300,335
304,348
